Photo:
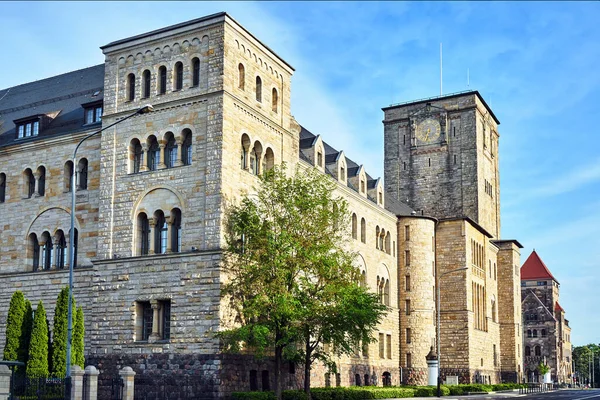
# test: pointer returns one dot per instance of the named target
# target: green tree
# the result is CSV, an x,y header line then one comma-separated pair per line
x,y
78,339
59,339
583,356
38,347
26,328
14,326
291,284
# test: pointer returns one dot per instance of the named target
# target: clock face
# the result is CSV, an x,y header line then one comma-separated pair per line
x,y
428,130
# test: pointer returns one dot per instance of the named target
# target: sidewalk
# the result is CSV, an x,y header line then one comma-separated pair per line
x,y
505,394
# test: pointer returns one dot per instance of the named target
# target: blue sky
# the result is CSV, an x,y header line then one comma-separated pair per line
x,y
537,64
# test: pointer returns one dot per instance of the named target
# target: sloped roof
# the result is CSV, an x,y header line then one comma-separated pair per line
x,y
534,268
61,95
557,307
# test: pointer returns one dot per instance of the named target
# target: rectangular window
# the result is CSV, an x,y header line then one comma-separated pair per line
x,y
28,128
407,306
408,360
381,345
407,232
389,346
407,287
145,314
407,257
408,334
93,114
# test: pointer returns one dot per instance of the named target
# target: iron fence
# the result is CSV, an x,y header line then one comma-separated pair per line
x,y
38,388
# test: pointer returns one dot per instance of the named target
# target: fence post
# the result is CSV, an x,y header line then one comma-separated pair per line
x,y
127,375
76,382
5,375
92,387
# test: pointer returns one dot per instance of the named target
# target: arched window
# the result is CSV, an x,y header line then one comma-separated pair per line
x,y
377,233
41,180
268,160
387,379
535,333
33,250
61,249
388,243
494,309
538,351
527,351
178,75
363,279
245,149
354,226
255,155
68,176
82,169
162,80
143,230
161,233
258,89
386,293
2,187
357,379
529,333
153,154
75,247
29,182
130,87
241,76
137,156
274,100
543,333
176,230
146,79
171,156
47,251
186,147
363,230
195,71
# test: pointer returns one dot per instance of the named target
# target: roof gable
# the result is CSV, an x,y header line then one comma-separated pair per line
x,y
534,268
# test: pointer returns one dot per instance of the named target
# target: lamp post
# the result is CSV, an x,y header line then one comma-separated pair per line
x,y
439,281
145,109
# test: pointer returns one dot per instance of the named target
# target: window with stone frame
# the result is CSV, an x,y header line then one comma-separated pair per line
x,y
143,234
178,76
381,345
354,224
408,360
28,128
388,346
146,82
171,151
137,156
161,234
130,87
2,187
363,230
162,80
195,71
258,88
93,113
153,320
82,172
408,335
153,153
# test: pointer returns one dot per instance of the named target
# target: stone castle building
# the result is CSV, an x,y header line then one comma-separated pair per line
x,y
151,194
546,331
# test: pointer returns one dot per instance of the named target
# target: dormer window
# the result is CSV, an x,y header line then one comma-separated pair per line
x,y
320,159
28,128
342,173
93,114
380,198
362,186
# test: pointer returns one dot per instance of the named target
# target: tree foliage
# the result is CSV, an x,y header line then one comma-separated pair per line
x,y
14,326
291,282
78,340
582,359
26,329
38,348
59,339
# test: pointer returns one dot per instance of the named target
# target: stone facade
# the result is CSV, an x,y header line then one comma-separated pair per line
x,y
150,219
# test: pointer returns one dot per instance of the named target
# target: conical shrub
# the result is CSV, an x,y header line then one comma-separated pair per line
x,y
38,346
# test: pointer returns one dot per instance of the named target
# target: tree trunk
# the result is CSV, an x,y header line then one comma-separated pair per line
x,y
278,359
307,365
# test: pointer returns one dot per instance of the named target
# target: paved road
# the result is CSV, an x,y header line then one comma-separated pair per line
x,y
564,394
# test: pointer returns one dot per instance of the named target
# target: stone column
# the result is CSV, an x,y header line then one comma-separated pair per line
x,y
76,382
5,375
36,190
127,375
77,178
162,146
179,141
41,254
144,160
169,221
155,335
91,391
152,222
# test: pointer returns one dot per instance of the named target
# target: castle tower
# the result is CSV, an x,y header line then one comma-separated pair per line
x,y
546,332
441,158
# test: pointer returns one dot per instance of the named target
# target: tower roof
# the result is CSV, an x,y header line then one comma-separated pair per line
x,y
534,268
557,307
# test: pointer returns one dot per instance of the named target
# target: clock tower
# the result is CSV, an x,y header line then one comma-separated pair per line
x,y
441,158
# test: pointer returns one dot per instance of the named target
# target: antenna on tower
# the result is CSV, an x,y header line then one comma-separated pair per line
x,y
440,68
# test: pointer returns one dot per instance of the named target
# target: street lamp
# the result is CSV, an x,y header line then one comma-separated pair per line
x,y
145,109
439,278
